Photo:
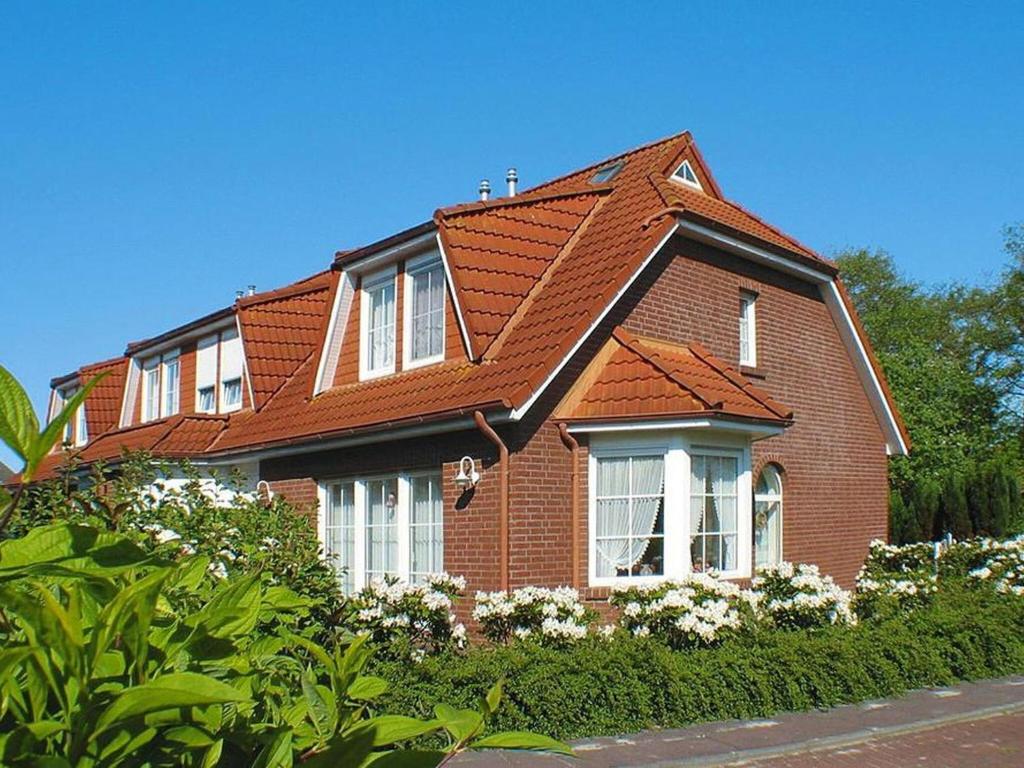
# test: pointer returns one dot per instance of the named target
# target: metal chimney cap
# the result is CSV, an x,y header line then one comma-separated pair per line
x,y
485,189
511,175
252,289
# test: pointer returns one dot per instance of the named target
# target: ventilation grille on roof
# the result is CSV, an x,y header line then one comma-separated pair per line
x,y
607,173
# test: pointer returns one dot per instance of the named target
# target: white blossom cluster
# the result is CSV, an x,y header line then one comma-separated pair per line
x,y
798,596
1003,567
696,611
552,616
421,614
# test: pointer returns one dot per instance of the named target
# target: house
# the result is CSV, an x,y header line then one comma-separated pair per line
x,y
613,377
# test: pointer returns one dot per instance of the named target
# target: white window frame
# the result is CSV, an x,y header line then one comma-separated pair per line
x,y
695,183
677,450
367,283
357,570
748,320
81,423
413,267
159,363
211,341
771,498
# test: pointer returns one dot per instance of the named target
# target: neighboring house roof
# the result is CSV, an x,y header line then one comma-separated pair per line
x,y
636,379
531,275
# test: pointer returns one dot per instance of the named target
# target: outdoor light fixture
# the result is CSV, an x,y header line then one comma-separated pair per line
x,y
467,476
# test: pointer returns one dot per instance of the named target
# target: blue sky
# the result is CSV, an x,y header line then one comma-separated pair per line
x,y
158,157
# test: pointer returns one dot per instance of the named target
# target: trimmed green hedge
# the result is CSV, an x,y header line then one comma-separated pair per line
x,y
609,687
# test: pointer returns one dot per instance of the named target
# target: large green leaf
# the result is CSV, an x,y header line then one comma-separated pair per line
x,y
19,426
233,611
462,724
367,688
391,729
66,548
522,740
278,753
180,689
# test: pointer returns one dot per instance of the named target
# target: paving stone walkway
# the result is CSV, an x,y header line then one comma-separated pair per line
x,y
974,724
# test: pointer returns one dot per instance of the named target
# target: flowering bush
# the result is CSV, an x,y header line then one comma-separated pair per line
x,y
547,616
895,579
798,596
409,619
700,610
1003,567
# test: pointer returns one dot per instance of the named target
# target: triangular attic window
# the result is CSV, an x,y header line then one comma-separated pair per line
x,y
685,174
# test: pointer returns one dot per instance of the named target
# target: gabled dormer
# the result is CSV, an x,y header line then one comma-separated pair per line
x,y
101,409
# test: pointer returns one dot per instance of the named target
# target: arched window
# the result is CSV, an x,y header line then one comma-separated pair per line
x,y
768,518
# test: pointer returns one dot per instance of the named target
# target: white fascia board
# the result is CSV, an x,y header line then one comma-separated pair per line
x,y
519,413
176,342
389,255
752,252
332,325
131,388
895,445
757,431
245,363
455,296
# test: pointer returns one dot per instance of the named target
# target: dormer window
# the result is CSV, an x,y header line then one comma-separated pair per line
x,y
161,376
377,323
684,173
424,311
748,329
219,372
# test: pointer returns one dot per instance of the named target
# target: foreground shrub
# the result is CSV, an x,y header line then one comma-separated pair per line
x,y
799,597
1003,568
408,619
895,579
630,683
700,610
546,616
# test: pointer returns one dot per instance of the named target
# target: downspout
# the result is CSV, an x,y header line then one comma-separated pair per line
x,y
574,447
491,435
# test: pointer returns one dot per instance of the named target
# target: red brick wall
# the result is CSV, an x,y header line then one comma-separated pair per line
x,y
833,456
835,493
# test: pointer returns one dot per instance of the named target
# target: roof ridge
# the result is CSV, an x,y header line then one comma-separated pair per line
x,y
499,341
612,159
299,287
636,345
523,198
739,380
806,249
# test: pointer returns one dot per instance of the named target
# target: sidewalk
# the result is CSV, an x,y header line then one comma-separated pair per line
x,y
989,712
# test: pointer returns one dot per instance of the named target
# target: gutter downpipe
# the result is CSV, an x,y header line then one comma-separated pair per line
x,y
487,431
573,445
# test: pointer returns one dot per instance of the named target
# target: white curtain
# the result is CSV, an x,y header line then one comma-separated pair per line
x,y
426,528
627,520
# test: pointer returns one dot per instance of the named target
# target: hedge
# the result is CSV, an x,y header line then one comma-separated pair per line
x,y
607,687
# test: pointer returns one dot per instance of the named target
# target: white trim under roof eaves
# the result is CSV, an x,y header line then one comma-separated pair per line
x,y
455,295
522,410
757,431
894,444
388,255
345,282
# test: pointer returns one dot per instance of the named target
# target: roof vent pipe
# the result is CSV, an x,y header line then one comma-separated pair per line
x,y
485,189
252,289
239,294
512,178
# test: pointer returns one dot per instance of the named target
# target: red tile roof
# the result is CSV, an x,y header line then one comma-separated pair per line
x,y
281,330
634,378
103,405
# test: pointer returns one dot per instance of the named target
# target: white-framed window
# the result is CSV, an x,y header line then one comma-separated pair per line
x,y
230,370
423,313
81,425
662,506
219,372
377,324
684,174
748,329
768,518
383,526
161,386
76,430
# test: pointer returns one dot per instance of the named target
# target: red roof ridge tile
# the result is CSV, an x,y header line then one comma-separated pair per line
x,y
523,198
311,284
609,160
807,250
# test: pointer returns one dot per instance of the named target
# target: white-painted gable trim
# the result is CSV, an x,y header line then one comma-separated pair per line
x,y
895,445
131,391
245,363
518,413
455,296
330,351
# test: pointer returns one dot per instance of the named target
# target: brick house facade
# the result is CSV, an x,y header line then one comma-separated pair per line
x,y
648,353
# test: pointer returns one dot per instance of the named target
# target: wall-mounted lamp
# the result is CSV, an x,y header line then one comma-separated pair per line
x,y
264,492
467,476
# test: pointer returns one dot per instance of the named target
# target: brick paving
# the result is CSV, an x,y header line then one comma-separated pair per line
x,y
973,724
992,742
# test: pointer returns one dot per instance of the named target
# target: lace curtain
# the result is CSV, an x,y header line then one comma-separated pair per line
x,y
630,494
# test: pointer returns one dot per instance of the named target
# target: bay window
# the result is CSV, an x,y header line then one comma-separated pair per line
x,y
662,506
424,311
377,315
383,526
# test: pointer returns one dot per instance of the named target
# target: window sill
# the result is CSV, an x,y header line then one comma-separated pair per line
x,y
753,372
